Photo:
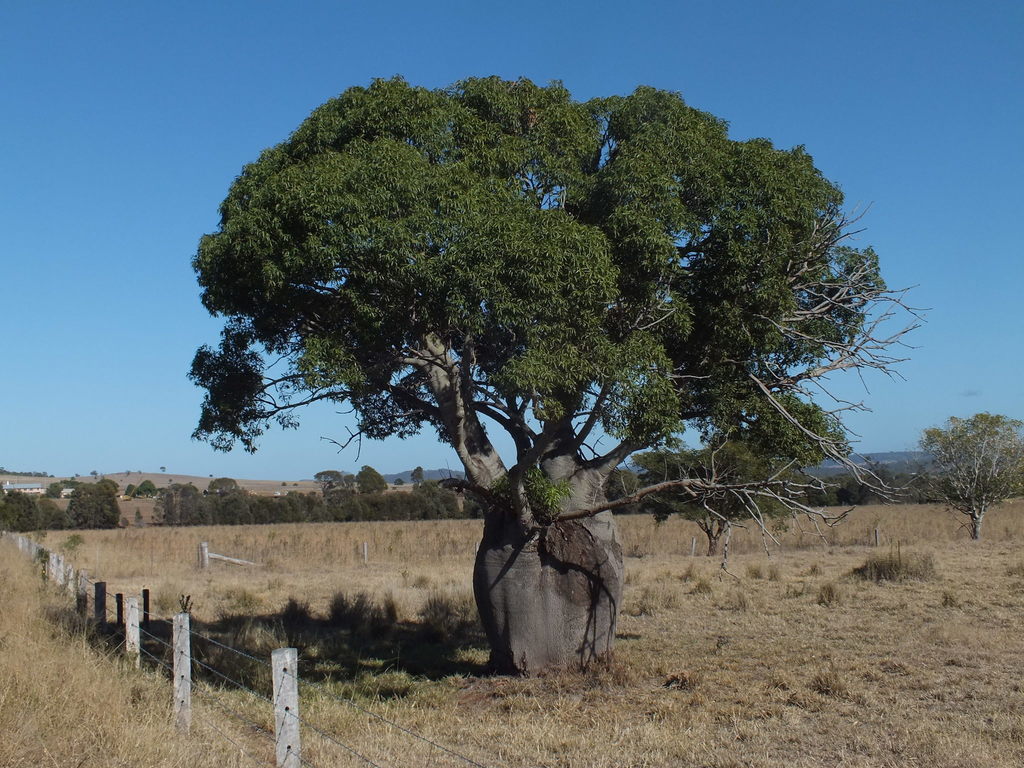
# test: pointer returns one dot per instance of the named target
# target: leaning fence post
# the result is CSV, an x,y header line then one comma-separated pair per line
x,y
99,604
82,596
285,662
182,672
204,554
131,631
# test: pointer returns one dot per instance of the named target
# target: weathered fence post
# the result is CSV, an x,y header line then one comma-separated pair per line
x,y
204,554
693,546
366,552
182,672
70,582
132,640
119,609
876,537
285,663
145,609
82,596
99,604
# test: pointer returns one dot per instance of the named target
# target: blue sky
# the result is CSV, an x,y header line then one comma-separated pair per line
x,y
123,125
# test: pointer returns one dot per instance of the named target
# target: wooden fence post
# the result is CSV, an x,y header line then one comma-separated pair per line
x,y
693,546
70,582
131,631
285,663
119,609
182,673
145,609
82,596
876,537
99,604
204,554
366,552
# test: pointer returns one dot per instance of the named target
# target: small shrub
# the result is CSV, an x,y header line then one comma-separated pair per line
x,y
446,617
813,570
796,590
738,601
950,600
754,571
829,594
422,582
653,600
774,574
828,682
72,543
682,681
240,601
362,614
701,587
896,566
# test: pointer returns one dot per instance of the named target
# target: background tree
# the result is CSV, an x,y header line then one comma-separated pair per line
x,y
146,489
94,505
369,480
329,479
416,476
723,466
497,255
222,485
978,462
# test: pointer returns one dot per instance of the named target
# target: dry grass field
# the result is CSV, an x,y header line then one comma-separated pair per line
x,y
789,659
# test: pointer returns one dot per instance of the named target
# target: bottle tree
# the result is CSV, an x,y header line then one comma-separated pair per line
x,y
589,277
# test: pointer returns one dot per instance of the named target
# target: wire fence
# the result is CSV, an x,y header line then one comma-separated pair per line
x,y
113,620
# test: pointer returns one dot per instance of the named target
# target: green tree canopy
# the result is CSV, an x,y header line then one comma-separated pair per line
x,y
498,255
979,462
94,505
369,480
222,485
731,472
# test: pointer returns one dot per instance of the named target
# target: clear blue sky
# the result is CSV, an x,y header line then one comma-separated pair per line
x,y
124,123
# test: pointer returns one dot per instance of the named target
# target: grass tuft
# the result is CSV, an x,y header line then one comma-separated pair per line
x,y
897,566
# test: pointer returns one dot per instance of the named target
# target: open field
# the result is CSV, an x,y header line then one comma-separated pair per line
x,y
789,661
163,479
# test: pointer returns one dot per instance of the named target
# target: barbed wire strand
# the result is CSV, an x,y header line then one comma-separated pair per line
x,y
351,703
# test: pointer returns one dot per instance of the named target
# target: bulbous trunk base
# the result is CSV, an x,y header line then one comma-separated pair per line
x,y
551,600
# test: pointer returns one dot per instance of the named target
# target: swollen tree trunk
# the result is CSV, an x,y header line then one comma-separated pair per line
x,y
549,598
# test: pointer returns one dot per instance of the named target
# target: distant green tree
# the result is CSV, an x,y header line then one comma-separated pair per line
x,y
329,479
222,485
180,504
978,463
146,490
729,464
417,476
399,481
94,505
18,512
369,480
129,490
53,490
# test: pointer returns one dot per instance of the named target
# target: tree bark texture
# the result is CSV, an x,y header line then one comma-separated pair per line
x,y
549,598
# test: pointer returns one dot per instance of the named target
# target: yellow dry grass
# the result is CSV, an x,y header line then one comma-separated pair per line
x,y
787,660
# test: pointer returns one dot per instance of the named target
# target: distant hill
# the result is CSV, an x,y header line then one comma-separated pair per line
x,y
897,462
428,474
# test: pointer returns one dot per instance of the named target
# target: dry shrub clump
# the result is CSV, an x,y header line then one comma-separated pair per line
x,y
897,566
829,594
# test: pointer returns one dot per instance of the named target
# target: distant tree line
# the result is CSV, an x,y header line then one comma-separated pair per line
x,y
224,503
92,505
5,471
